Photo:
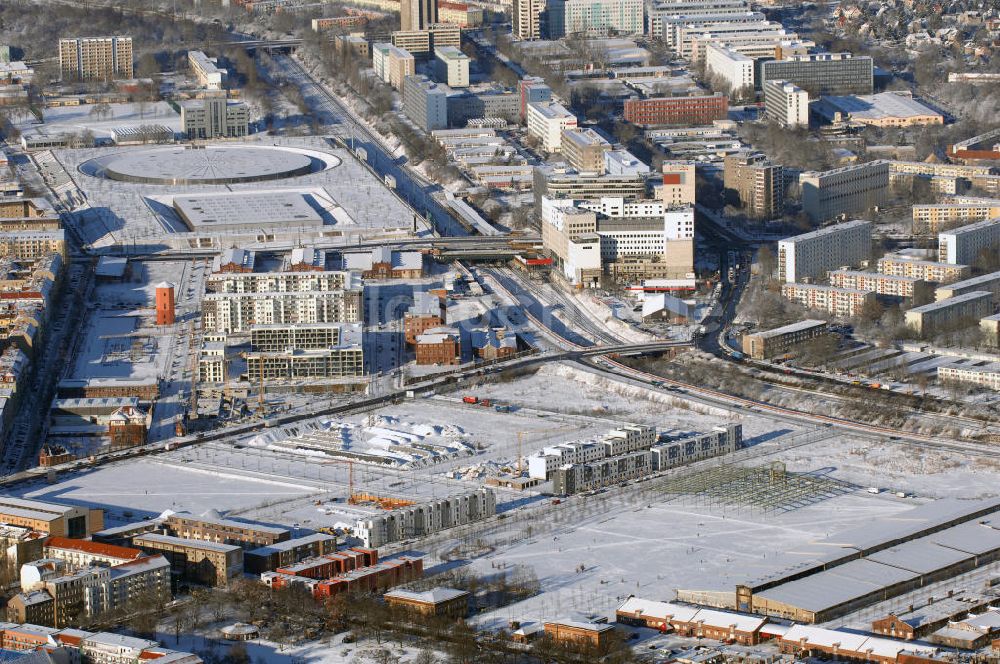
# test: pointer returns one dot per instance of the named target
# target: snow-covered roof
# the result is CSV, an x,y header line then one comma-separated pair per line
x,y
434,596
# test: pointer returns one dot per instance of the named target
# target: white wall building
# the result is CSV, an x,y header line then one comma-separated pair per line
x,y
734,68
786,104
451,66
206,71
546,122
812,255
962,246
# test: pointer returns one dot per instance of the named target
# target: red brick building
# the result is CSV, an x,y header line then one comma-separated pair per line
x,y
427,312
440,345
127,428
53,455
677,110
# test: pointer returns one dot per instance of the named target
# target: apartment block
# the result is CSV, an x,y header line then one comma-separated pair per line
x,y
460,14
215,117
623,440
568,17
691,10
392,64
734,69
213,528
451,66
843,191
425,103
546,122
344,360
990,327
95,58
233,313
770,343
986,282
417,14
696,110
966,244
206,70
939,273
289,552
423,42
426,518
933,218
32,245
526,22
81,553
831,299
932,318
822,74
308,281
584,150
786,103
882,284
986,376
753,39
758,184
672,451
812,255
195,561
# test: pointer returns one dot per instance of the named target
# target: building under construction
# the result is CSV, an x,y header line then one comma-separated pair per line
x,y
426,518
862,566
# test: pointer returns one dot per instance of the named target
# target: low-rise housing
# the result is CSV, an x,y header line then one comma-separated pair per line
x,y
769,343
936,316
831,299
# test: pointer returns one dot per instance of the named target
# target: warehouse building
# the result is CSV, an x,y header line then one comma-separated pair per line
x,y
876,562
691,621
769,343
936,316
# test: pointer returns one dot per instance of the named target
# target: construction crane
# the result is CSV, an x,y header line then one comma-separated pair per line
x,y
361,498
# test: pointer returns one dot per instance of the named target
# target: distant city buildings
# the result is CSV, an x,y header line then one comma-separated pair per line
x,y
571,17
417,14
95,58
526,21
392,64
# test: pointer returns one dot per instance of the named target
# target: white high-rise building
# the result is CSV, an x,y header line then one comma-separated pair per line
x,y
734,68
963,246
526,19
812,255
786,104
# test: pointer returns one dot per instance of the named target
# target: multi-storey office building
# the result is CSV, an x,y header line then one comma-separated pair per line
x,y
882,284
939,273
197,561
845,190
831,299
786,103
584,150
215,117
735,69
822,73
759,185
678,183
95,58
392,64
769,343
451,66
752,38
211,528
966,244
546,122
425,102
659,11
932,318
569,17
562,182
812,255
676,110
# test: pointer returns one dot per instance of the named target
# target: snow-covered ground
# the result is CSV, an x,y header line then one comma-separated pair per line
x,y
77,119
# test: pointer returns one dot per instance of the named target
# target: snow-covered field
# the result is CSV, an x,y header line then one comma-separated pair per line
x,y
76,119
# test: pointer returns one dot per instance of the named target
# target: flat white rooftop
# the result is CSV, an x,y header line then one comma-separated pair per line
x,y
246,210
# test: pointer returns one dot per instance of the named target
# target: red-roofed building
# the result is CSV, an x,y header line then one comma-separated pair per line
x,y
82,553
